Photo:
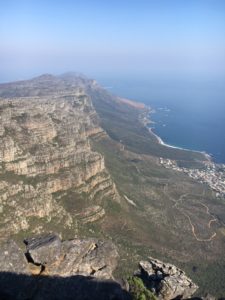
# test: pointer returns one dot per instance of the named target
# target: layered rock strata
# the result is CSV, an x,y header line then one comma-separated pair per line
x,y
44,152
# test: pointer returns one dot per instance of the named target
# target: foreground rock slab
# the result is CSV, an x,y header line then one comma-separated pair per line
x,y
88,257
166,280
53,269
49,268
44,249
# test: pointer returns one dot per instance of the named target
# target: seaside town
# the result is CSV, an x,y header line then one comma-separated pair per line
x,y
213,174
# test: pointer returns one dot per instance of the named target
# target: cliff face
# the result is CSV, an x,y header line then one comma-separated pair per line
x,y
45,153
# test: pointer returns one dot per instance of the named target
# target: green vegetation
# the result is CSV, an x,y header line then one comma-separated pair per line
x,y
143,230
209,276
138,290
71,200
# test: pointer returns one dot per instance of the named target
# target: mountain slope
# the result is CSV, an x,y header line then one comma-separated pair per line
x,y
46,157
80,161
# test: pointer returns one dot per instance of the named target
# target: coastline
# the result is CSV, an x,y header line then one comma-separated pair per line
x,y
161,142
146,120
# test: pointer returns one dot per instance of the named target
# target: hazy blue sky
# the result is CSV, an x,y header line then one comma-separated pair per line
x,y
103,37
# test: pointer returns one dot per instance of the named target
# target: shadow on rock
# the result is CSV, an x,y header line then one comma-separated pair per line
x,y
23,287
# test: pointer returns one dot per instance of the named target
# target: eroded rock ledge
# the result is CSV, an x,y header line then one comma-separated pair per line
x,y
48,255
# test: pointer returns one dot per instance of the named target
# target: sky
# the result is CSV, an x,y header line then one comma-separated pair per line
x,y
110,38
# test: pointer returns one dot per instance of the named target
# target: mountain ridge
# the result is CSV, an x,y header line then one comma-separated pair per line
x,y
72,155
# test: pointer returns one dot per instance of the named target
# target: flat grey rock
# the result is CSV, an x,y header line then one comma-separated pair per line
x,y
44,249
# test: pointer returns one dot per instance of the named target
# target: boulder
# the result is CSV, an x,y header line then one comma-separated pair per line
x,y
166,280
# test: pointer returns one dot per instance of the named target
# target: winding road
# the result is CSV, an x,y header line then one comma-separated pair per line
x,y
179,201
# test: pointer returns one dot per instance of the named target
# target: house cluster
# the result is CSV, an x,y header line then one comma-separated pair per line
x,y
212,174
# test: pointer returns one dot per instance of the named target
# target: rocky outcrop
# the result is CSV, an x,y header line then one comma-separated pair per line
x,y
92,214
66,258
53,269
45,153
80,263
166,280
48,255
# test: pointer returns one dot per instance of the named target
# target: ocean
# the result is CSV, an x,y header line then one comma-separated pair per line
x,y
189,112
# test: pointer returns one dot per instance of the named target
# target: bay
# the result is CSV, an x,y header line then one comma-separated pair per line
x,y
189,112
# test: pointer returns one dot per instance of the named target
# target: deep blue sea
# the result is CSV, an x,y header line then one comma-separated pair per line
x,y
189,113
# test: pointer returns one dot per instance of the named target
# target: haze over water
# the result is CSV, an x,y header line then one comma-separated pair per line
x,y
181,44
190,112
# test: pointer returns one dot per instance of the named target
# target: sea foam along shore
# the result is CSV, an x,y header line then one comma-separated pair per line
x,y
160,141
146,121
